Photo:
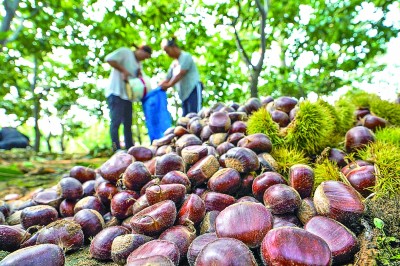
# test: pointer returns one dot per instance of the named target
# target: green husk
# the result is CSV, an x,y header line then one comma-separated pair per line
x,y
386,110
287,157
389,135
261,122
311,129
325,170
338,132
382,108
387,162
345,111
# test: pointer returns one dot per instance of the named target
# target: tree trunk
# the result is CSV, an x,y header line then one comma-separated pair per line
x,y
62,138
10,7
255,73
36,105
48,142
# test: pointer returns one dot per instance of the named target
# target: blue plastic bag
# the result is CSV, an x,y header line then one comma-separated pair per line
x,y
158,119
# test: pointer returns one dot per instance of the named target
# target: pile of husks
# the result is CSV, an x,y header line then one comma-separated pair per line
x,y
272,182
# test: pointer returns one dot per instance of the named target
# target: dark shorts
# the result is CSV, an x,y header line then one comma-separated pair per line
x,y
193,103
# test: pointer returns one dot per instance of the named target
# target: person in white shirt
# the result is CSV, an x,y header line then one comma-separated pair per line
x,y
125,64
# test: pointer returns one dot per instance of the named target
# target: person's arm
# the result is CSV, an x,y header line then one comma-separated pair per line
x,y
175,79
120,68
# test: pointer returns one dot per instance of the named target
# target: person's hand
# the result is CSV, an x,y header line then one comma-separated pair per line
x,y
164,86
125,75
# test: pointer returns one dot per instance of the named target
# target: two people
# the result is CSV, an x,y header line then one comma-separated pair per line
x,y
182,74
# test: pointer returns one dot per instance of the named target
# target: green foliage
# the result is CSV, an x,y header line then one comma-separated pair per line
x,y
387,161
388,246
389,135
311,130
286,157
261,122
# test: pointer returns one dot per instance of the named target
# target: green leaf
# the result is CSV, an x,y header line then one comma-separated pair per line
x,y
379,223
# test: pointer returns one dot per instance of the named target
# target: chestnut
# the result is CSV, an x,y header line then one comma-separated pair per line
x,y
187,140
197,245
88,188
179,131
181,235
301,178
217,138
154,219
307,210
224,252
337,156
234,138
281,199
48,197
158,193
121,204
251,105
89,202
44,255
264,181
65,233
176,177
219,122
192,209
38,215
285,103
225,180
238,127
280,117
123,245
294,246
156,247
140,153
341,241
241,159
105,192
136,176
205,133
215,201
70,188
82,173
224,147
203,170
339,201
11,237
167,163
67,208
90,221
192,154
166,140
373,122
114,167
152,260
248,222
357,137
363,179
100,247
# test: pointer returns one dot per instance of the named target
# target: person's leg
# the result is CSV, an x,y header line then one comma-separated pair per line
x,y
128,124
193,103
116,115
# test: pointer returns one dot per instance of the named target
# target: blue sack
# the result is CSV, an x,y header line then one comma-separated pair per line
x,y
158,119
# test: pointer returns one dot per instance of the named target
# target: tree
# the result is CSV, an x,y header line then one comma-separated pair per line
x,y
322,45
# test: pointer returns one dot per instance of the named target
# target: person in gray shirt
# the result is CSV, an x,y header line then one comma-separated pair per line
x,y
184,76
